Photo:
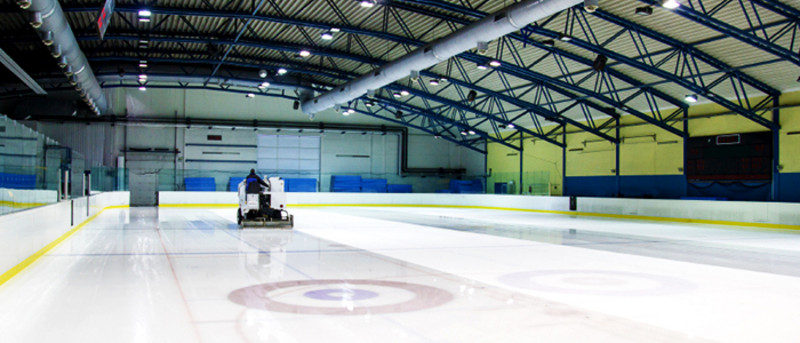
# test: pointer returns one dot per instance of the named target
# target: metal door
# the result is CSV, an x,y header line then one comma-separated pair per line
x,y
143,187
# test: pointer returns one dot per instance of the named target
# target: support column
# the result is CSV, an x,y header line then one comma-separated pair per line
x,y
564,161
616,160
521,166
776,149
685,144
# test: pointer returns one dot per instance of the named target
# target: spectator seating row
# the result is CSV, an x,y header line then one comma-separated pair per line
x,y
17,181
355,184
464,186
289,185
200,184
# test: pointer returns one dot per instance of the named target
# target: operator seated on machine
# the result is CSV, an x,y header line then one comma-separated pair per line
x,y
254,183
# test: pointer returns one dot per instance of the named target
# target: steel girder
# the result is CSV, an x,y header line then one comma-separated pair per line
x,y
293,48
291,67
375,113
460,107
238,36
540,110
755,35
585,104
686,63
557,84
348,29
419,43
423,119
492,118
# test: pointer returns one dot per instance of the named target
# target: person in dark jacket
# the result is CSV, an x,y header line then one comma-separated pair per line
x,y
254,182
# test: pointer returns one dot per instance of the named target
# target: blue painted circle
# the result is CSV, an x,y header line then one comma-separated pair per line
x,y
340,294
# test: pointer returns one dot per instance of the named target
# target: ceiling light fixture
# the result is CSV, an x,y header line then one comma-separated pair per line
x,y
691,98
327,35
304,53
142,63
282,71
143,76
367,3
262,73
351,111
434,82
335,29
142,88
263,85
564,38
404,92
250,95
671,4
482,67
495,63
368,104
471,132
644,11
511,126
396,95
463,132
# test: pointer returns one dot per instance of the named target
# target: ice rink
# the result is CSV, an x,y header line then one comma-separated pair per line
x,y
386,274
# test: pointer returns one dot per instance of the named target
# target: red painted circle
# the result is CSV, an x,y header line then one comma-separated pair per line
x,y
256,297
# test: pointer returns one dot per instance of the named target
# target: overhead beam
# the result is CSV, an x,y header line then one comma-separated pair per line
x,y
494,26
718,25
21,74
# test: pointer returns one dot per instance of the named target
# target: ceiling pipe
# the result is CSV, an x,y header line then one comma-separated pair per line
x,y
49,20
494,26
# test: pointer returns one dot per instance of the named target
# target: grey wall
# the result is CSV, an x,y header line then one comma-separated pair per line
x,y
371,155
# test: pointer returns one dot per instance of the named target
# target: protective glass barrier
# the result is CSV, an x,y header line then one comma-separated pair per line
x,y
533,183
36,170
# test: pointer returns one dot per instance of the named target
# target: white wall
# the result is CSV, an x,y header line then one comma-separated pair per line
x,y
96,142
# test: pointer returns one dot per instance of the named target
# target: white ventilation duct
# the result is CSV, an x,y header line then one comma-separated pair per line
x,y
55,30
492,27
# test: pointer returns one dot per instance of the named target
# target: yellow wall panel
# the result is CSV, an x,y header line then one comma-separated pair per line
x,y
790,144
589,155
540,156
641,155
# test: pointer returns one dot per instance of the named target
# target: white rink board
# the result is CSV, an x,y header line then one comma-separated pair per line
x,y
501,201
736,211
25,232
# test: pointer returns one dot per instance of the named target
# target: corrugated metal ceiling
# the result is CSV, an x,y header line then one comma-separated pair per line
x,y
272,44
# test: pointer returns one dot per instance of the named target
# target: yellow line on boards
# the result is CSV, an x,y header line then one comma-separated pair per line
x,y
198,205
21,204
28,261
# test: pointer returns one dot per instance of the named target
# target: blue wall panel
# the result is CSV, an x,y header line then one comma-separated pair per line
x,y
737,191
790,187
634,186
591,186
653,186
